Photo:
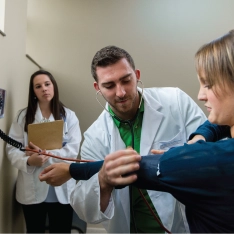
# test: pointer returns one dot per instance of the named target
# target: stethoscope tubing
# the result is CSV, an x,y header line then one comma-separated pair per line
x,y
58,157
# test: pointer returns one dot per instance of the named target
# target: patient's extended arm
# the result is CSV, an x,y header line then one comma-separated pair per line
x,y
212,132
200,164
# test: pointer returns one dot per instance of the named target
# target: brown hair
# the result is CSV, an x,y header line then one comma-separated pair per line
x,y
215,61
109,55
57,107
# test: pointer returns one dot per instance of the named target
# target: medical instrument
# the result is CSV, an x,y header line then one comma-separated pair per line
x,y
130,123
19,145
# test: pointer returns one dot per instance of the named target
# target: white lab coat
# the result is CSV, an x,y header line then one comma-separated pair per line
x,y
170,116
29,189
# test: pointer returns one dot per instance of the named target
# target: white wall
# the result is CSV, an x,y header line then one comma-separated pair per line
x,y
63,36
161,35
15,71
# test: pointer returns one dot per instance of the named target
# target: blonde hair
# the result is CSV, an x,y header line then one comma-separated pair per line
x,y
214,62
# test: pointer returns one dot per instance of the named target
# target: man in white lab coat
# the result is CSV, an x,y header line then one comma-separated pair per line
x,y
157,118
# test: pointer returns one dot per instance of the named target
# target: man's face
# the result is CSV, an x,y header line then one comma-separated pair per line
x,y
118,85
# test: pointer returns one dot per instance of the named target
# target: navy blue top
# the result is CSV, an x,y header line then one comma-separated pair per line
x,y
212,132
201,176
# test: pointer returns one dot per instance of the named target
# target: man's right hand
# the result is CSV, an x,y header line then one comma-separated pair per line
x,y
116,165
56,174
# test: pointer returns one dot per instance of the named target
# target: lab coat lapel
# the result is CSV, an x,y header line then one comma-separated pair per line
x,y
116,140
151,123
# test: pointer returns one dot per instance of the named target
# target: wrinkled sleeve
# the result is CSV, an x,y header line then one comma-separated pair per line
x,y
212,132
84,171
181,171
202,170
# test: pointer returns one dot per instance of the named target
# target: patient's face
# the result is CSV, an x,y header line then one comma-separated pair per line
x,y
219,104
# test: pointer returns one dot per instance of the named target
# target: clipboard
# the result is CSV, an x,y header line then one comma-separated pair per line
x,y
47,135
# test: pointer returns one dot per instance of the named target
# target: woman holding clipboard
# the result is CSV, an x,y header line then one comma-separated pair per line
x,y
40,199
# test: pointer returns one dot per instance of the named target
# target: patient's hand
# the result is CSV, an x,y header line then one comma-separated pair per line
x,y
154,151
196,138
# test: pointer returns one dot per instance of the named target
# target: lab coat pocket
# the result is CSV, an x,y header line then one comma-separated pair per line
x,y
167,144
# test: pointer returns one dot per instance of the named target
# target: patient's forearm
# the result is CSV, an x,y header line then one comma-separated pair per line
x,y
84,171
147,174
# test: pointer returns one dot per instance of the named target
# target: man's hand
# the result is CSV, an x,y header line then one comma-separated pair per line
x,y
56,174
196,138
113,171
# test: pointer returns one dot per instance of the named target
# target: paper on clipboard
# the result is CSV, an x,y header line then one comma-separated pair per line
x,y
48,135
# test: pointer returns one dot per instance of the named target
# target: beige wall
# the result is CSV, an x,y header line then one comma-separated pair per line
x,y
63,35
15,70
161,35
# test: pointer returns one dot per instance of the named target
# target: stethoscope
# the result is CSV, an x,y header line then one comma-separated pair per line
x,y
130,123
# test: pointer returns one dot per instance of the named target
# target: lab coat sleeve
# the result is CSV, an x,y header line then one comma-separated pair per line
x,y
85,199
72,140
191,112
18,158
212,132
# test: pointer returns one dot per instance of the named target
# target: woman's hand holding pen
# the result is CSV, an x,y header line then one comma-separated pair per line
x,y
36,159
